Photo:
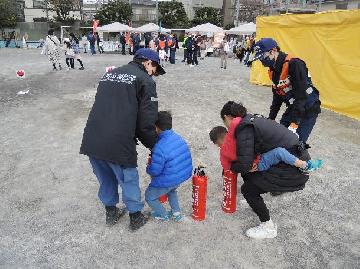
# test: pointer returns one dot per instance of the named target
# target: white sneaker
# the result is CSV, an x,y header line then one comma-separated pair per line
x,y
264,230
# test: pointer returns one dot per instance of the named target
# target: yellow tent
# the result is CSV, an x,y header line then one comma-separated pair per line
x,y
329,43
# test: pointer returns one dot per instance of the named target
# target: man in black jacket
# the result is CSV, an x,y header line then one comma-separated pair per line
x,y
124,111
292,85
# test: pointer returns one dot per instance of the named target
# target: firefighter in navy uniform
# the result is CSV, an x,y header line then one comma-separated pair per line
x,y
292,86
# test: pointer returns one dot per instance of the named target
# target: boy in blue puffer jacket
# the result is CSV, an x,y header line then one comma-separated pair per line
x,y
170,165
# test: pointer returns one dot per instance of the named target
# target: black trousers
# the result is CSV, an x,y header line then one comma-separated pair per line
x,y
185,54
70,62
189,57
195,56
251,193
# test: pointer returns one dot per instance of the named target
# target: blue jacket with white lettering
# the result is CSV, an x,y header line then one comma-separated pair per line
x,y
125,109
171,162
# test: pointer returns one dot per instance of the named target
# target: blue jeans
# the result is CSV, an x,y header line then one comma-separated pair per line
x,y
92,48
110,176
153,194
172,56
136,48
275,156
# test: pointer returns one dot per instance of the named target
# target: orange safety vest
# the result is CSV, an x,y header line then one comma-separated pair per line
x,y
169,43
284,84
162,44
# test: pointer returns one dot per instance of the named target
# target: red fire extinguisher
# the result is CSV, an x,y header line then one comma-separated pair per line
x,y
163,198
229,191
199,181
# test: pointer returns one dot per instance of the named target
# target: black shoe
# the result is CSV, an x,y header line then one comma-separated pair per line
x,y
81,68
113,214
137,220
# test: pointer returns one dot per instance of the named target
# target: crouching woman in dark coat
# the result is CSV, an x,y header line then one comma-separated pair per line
x,y
254,136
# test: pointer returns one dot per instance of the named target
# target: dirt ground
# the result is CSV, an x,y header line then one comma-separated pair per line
x,y
50,216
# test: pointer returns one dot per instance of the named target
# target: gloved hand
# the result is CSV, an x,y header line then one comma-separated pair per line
x,y
293,127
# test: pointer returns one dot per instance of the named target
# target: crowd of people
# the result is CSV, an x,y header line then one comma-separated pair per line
x,y
195,47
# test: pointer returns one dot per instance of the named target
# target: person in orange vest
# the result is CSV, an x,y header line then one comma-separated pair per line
x,y
292,85
162,48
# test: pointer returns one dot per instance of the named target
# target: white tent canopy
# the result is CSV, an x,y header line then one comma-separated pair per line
x,y
115,27
243,29
206,28
150,27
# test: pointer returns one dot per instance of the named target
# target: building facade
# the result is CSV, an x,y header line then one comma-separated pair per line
x,y
144,11
19,5
311,6
37,10
249,9
337,4
191,5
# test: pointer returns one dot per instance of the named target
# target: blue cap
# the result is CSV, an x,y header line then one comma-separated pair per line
x,y
151,55
262,46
